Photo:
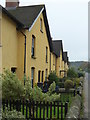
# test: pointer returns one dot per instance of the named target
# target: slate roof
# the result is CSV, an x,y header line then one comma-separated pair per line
x,y
27,15
2,9
57,46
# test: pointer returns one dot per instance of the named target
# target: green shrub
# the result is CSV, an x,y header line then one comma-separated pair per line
x,y
12,115
62,79
77,81
27,88
52,77
51,98
81,74
61,84
37,94
12,87
52,88
68,84
71,73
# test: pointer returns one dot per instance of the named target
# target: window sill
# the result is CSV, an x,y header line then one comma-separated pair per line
x,y
41,31
33,57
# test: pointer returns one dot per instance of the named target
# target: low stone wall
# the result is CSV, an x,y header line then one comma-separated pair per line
x,y
74,110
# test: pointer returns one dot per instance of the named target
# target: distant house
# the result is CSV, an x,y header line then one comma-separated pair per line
x,y
65,57
58,50
26,46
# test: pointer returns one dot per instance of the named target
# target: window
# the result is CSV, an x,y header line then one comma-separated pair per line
x,y
39,75
42,75
46,73
41,25
46,54
33,46
13,69
32,76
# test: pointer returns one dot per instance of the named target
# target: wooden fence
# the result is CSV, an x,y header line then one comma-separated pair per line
x,y
38,110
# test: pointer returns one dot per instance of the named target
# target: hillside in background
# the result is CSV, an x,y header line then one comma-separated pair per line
x,y
80,65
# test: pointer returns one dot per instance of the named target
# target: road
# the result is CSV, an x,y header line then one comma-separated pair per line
x,y
87,96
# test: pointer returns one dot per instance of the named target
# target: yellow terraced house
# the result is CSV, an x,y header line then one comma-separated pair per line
x,y
26,46
66,63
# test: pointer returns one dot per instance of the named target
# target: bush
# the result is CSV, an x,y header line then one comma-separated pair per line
x,y
61,84
12,88
68,84
27,88
80,74
71,73
52,88
37,94
77,81
12,115
52,77
53,97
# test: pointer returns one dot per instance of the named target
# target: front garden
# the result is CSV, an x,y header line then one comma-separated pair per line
x,y
50,102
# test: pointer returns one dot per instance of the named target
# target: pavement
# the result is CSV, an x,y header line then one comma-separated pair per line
x,y
86,92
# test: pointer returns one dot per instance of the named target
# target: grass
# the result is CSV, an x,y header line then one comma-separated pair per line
x,y
64,98
53,116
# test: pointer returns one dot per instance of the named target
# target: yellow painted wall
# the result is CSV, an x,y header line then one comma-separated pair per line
x,y
53,62
20,54
9,43
41,42
0,45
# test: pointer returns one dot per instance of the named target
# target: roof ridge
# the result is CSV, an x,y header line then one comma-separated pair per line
x,y
31,5
56,40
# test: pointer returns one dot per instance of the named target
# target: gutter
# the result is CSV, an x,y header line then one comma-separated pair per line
x,y
24,56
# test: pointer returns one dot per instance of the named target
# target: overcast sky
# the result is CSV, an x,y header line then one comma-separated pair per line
x,y
68,21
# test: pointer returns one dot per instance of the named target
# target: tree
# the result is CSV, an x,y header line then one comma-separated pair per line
x,y
71,73
52,77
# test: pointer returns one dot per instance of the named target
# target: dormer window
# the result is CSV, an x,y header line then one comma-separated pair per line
x,y
41,25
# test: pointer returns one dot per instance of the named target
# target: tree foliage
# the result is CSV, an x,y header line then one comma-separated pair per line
x,y
53,77
68,84
12,87
12,115
71,73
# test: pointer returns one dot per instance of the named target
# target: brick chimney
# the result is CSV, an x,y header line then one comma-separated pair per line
x,y
12,3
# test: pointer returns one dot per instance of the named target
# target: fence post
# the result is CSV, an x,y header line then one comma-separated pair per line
x,y
74,93
26,109
10,104
61,111
66,108
50,110
3,105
